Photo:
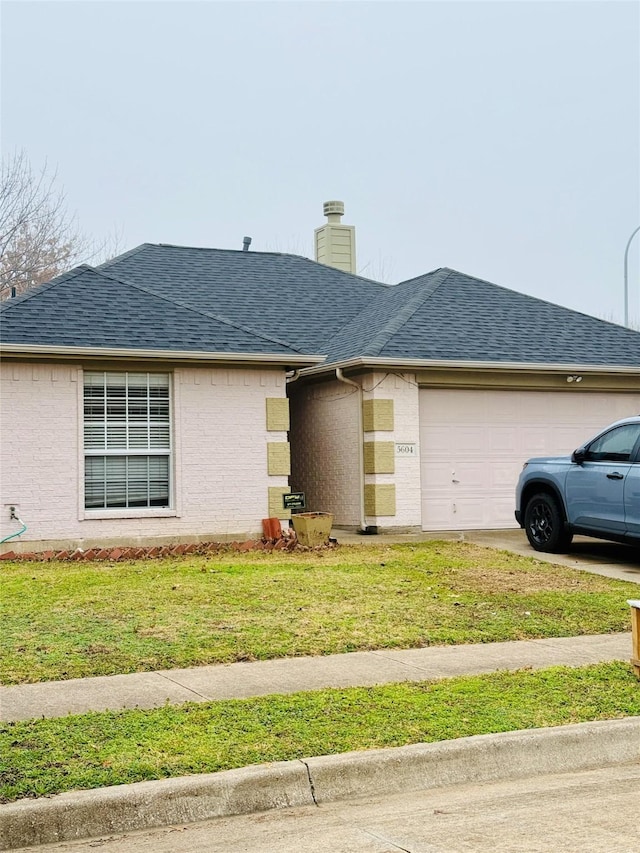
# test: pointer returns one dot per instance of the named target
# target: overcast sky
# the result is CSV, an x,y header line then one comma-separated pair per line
x,y
498,138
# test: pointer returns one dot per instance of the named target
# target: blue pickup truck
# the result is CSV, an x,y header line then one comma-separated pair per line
x,y
594,492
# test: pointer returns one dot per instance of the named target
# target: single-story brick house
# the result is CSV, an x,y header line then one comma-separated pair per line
x,y
175,394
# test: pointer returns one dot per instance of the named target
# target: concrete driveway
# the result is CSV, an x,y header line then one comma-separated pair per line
x,y
590,555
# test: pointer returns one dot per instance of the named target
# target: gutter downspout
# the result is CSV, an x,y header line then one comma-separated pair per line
x,y
341,378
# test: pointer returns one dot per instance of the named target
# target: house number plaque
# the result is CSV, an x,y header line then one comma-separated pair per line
x,y
406,448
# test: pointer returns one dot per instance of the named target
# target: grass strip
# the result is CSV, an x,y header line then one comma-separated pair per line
x,y
73,620
42,757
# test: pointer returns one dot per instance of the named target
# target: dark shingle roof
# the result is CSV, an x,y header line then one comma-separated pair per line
x,y
287,295
446,315
183,299
86,308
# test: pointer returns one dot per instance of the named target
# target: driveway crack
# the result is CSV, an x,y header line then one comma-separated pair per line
x,y
387,841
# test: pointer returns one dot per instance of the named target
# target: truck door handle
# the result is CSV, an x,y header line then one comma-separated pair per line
x,y
615,476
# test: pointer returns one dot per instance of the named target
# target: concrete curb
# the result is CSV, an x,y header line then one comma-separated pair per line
x,y
482,758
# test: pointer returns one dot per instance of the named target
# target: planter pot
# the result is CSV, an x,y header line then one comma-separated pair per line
x,y
312,528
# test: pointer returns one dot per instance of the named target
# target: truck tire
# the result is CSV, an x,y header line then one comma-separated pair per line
x,y
544,524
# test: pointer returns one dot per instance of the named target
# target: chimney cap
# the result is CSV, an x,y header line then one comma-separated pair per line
x,y
246,242
333,207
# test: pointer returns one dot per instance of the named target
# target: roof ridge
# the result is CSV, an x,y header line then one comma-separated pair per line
x,y
40,288
126,254
425,274
398,320
220,318
239,252
219,249
542,301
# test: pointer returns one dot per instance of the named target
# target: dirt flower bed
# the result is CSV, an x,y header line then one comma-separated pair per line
x,y
121,553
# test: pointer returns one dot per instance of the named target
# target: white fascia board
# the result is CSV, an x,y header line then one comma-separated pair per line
x,y
69,352
425,364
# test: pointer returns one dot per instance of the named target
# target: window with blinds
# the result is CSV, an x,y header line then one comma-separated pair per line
x,y
127,440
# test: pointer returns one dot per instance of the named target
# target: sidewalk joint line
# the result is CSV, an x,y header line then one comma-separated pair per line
x,y
184,687
417,667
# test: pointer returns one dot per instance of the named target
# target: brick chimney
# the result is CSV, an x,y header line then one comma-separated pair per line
x,y
335,242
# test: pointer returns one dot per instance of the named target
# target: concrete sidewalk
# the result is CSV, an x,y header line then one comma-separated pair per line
x,y
290,675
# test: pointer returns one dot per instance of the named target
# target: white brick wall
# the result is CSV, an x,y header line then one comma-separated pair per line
x,y
39,449
220,457
325,448
403,390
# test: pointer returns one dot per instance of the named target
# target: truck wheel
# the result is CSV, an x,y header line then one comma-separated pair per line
x,y
544,524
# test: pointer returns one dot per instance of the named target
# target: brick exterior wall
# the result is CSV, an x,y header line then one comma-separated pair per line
x,y
402,389
220,439
325,449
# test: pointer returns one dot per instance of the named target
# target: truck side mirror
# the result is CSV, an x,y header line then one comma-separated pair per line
x,y
578,456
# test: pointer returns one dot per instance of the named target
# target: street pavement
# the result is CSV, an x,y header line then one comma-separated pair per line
x,y
592,811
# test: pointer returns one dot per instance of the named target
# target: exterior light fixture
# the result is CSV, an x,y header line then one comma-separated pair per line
x,y
574,378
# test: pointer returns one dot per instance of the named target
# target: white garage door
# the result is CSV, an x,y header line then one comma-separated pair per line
x,y
473,444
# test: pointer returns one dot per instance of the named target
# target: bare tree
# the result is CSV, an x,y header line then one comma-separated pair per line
x,y
293,245
379,270
38,237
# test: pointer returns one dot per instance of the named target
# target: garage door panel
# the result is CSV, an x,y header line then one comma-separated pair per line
x,y
485,436
439,443
469,514
565,439
501,512
469,475
533,442
505,408
503,475
439,514
461,439
454,440
439,474
536,442
502,440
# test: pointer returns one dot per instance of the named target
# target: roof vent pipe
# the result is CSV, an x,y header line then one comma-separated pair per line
x,y
246,242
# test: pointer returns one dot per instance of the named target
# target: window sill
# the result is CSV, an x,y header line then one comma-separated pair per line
x,y
152,512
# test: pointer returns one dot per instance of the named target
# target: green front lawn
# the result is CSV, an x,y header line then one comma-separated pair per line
x,y
72,619
41,757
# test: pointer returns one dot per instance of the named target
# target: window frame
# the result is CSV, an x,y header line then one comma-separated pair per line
x,y
169,510
611,459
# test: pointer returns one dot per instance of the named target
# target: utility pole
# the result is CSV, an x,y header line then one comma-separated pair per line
x,y
626,277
